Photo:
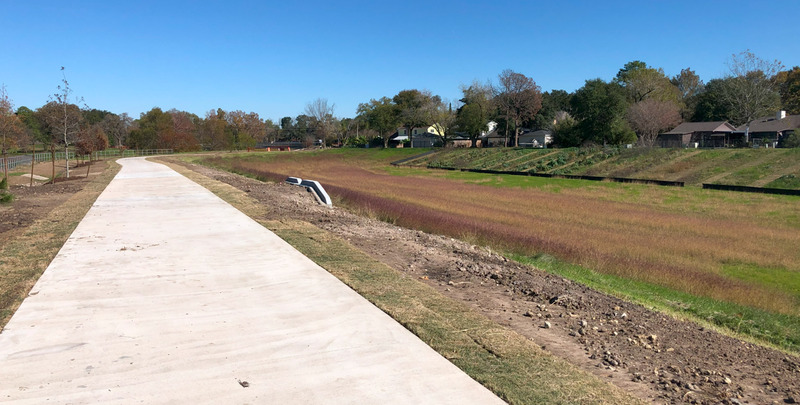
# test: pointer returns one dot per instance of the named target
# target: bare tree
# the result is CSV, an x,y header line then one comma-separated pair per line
x,y
322,112
519,98
749,89
11,129
65,120
649,117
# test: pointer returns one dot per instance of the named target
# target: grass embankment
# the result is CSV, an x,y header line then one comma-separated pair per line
x,y
25,257
682,243
775,168
507,363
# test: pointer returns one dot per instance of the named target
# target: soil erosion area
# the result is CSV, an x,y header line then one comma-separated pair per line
x,y
652,355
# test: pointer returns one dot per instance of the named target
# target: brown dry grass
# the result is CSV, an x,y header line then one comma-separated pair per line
x,y
504,361
680,250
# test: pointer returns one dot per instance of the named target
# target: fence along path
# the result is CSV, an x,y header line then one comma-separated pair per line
x,y
165,293
19,160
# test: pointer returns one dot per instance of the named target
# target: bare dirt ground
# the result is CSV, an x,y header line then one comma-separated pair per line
x,y
35,202
652,355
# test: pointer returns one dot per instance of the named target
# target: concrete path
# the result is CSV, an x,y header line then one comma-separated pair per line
x,y
167,294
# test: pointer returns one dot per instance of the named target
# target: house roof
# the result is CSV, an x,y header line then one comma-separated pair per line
x,y
690,127
772,124
539,132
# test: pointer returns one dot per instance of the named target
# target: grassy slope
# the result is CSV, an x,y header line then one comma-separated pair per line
x,y
780,211
507,363
778,168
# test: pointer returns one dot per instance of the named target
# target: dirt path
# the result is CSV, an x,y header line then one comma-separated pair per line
x,y
651,355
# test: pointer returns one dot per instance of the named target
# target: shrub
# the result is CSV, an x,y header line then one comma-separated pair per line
x,y
5,196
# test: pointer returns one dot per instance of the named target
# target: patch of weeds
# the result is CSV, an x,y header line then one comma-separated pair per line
x,y
5,196
789,181
778,278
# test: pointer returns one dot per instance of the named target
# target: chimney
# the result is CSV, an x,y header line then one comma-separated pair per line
x,y
781,115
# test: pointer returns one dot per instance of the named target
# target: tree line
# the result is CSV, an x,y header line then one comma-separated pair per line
x,y
636,105
640,102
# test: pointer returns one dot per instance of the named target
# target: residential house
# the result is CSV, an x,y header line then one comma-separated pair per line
x,y
715,134
535,139
491,137
422,137
770,131
461,141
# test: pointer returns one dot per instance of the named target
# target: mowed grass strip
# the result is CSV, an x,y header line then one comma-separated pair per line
x,y
25,257
507,363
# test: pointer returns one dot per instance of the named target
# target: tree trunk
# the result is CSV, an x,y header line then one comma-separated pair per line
x,y
33,162
66,157
53,159
410,137
506,133
385,141
5,163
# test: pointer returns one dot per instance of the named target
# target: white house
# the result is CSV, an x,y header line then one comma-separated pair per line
x,y
421,137
536,139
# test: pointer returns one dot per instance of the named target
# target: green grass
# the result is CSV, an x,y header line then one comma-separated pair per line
x,y
748,175
778,278
789,181
782,331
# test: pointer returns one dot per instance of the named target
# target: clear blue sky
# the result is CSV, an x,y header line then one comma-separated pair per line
x,y
273,57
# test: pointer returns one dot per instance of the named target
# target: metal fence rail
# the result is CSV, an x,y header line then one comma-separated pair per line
x,y
19,160
130,153
14,161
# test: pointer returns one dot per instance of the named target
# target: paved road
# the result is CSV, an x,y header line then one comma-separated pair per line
x,y
166,294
